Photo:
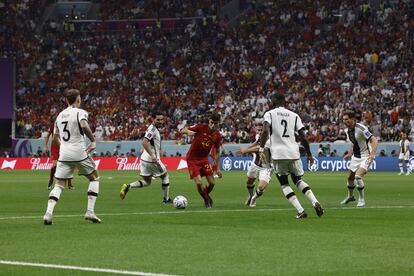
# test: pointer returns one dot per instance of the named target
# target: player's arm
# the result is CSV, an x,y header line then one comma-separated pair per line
x,y
304,142
251,148
56,140
216,160
147,147
46,142
374,144
186,131
88,132
263,138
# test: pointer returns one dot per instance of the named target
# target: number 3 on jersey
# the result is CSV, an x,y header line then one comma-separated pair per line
x,y
65,129
284,124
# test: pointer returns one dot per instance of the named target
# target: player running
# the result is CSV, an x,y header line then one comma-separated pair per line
x,y
206,137
70,127
258,169
364,147
281,124
150,164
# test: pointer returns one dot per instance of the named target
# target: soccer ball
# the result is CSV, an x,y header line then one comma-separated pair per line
x,y
180,202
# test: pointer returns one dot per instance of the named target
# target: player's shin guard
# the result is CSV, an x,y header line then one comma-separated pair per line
x,y
351,187
139,184
306,190
401,167
360,186
165,185
408,165
53,198
250,188
291,197
93,191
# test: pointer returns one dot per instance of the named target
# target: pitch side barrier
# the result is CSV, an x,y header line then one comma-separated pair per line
x,y
331,164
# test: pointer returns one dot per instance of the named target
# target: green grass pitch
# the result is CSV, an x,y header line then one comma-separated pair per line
x,y
141,234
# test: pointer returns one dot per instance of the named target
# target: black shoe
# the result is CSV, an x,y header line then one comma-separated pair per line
x,y
302,215
210,201
318,209
207,203
167,201
50,186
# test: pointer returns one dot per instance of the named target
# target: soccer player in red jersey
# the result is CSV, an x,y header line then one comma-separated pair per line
x,y
206,137
54,149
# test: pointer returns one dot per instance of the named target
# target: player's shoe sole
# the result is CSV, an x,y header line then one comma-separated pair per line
x,y
318,208
92,217
124,191
348,199
302,215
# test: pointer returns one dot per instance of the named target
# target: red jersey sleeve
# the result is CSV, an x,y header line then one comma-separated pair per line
x,y
195,128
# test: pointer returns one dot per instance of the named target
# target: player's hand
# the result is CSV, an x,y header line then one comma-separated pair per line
x,y
154,158
263,158
44,151
346,157
370,158
91,147
310,159
218,172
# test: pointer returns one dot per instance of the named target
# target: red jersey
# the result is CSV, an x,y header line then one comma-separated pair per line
x,y
203,141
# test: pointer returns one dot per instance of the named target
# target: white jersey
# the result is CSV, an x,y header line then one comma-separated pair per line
x,y
283,126
256,157
154,137
359,136
72,140
404,146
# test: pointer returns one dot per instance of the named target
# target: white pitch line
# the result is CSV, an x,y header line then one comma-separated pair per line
x,y
94,269
209,211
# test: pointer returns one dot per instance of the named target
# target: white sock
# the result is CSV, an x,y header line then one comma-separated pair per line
x,y
408,165
139,184
360,186
306,190
290,195
93,191
401,167
54,196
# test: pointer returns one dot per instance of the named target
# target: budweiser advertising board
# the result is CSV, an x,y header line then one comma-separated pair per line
x,y
102,163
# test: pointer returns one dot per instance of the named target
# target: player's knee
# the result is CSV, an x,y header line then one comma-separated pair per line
x,y
296,179
283,179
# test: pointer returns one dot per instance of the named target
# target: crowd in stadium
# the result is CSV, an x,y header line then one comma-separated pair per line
x,y
326,56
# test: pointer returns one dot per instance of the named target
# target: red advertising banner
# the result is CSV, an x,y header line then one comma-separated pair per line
x,y
102,163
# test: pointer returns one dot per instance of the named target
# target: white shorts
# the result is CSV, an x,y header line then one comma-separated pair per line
x,y
264,174
357,163
152,168
404,156
286,167
64,169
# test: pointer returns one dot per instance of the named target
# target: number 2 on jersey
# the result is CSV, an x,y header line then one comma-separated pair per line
x,y
65,125
284,124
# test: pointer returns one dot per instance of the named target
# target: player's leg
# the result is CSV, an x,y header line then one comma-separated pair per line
x,y
291,196
52,174
251,177
209,188
146,171
265,175
165,185
400,164
307,191
351,186
87,168
408,165
64,171
201,190
360,185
